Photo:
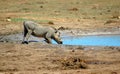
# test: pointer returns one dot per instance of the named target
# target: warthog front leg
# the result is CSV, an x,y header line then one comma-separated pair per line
x,y
48,38
58,40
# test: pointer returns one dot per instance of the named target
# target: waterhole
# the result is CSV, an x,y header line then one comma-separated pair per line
x,y
90,40
100,40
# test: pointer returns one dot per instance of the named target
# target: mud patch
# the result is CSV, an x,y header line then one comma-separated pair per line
x,y
71,63
17,38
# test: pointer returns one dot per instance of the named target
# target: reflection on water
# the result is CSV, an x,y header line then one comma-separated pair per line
x,y
104,40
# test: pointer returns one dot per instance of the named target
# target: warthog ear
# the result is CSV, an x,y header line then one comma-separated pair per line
x,y
56,31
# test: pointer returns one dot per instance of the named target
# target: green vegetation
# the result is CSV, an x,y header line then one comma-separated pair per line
x,y
22,19
18,19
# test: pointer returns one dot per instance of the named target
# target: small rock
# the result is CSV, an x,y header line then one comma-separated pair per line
x,y
8,20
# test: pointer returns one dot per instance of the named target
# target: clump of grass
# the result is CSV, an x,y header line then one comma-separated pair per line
x,y
51,22
74,9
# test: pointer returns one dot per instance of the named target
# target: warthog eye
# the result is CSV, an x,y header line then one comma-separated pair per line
x,y
58,33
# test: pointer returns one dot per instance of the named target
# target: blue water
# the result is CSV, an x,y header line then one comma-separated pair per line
x,y
104,40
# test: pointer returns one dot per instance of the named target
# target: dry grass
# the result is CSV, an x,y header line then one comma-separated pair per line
x,y
61,13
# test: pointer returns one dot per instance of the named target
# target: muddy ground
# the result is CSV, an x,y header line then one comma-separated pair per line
x,y
72,18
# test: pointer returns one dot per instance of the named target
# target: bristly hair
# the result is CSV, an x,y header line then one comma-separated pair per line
x,y
55,29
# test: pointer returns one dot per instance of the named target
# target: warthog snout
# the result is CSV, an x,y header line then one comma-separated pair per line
x,y
57,38
60,42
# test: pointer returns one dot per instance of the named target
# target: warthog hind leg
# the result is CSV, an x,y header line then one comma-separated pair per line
x,y
26,37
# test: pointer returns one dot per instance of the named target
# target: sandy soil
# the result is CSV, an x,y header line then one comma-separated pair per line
x,y
39,58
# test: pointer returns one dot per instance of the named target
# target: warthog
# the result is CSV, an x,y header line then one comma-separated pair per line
x,y
35,29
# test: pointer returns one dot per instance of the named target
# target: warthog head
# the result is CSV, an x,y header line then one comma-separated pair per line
x,y
57,38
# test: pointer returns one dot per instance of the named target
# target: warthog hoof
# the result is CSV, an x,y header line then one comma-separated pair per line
x,y
24,42
61,42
